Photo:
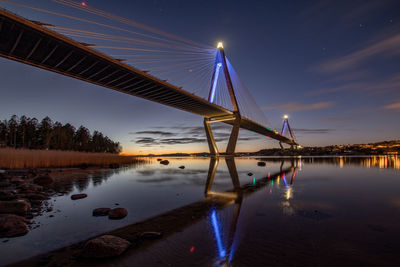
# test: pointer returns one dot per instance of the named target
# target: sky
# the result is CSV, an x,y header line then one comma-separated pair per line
x,y
332,66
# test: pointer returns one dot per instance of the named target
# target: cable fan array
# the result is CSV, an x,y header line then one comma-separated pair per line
x,y
182,62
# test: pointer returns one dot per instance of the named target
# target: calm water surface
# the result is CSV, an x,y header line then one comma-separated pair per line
x,y
304,211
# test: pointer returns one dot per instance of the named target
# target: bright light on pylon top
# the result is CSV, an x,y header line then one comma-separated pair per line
x,y
285,116
220,45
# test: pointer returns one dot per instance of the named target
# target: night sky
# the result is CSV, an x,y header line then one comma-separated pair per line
x,y
332,66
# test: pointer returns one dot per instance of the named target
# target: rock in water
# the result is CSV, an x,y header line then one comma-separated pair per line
x,y
181,167
101,211
159,159
117,213
261,163
164,162
43,180
78,196
15,207
12,225
151,235
250,174
105,246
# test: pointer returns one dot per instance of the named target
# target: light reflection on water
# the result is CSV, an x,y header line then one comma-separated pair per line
x,y
297,195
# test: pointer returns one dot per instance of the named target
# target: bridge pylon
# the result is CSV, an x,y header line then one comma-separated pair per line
x,y
286,126
235,118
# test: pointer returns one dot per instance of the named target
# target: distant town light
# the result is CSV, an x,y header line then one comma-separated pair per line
x,y
220,45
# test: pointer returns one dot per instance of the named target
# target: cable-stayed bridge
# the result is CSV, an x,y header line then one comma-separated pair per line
x,y
33,43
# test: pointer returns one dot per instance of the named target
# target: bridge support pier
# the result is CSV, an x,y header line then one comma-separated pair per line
x,y
230,149
210,138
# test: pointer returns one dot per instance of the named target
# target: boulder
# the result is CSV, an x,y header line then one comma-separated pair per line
x,y
117,213
105,246
15,207
261,163
7,195
36,196
181,167
164,162
101,211
159,159
250,174
43,180
78,196
17,180
12,225
30,187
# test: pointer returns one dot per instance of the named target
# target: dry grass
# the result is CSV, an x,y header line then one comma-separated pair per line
x,y
25,158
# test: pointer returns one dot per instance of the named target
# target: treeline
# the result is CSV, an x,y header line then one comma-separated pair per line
x,y
29,133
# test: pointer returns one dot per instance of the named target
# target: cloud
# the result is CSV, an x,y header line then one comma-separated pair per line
x,y
387,47
180,141
335,119
387,84
393,107
145,140
313,131
162,133
297,106
182,135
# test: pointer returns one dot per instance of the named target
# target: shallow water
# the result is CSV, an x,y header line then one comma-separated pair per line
x,y
304,211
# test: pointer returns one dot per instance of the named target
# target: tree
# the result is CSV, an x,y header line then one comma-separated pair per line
x,y
32,134
12,131
3,133
21,131
45,129
82,139
29,133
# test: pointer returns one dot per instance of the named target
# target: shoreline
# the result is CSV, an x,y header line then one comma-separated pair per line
x,y
33,159
167,224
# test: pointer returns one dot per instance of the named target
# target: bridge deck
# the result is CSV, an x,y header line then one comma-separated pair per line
x,y
27,42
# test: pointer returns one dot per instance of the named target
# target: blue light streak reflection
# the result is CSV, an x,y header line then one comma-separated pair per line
x,y
217,234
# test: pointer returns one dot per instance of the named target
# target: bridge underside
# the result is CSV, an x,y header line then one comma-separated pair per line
x,y
30,43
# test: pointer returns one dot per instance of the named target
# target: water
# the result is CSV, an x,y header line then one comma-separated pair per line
x,y
310,211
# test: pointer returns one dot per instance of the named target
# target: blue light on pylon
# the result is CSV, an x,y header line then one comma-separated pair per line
x,y
218,67
217,234
284,127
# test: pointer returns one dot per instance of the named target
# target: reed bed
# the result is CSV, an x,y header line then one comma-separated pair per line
x,y
24,158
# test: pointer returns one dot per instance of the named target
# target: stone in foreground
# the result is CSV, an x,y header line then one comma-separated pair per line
x,y
78,196
12,225
15,207
105,246
117,213
101,212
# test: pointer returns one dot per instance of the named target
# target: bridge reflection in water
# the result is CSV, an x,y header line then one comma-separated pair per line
x,y
235,197
208,212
